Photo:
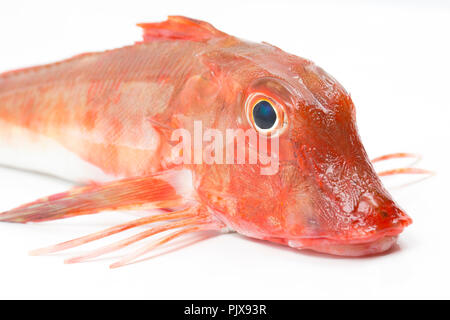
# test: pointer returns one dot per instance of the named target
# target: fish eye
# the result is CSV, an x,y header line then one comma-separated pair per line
x,y
265,114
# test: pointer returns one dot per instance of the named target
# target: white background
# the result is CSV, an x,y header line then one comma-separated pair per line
x,y
393,59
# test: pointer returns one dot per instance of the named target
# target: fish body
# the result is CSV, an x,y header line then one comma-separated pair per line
x,y
100,106
109,118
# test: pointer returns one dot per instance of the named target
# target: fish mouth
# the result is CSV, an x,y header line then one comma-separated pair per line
x,y
372,245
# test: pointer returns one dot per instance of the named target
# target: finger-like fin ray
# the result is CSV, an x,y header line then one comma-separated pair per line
x,y
404,171
135,238
397,155
110,231
147,248
407,170
194,218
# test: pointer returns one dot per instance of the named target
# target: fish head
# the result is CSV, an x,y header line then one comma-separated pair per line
x,y
323,193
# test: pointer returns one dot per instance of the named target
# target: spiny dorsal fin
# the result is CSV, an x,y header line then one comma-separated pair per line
x,y
181,28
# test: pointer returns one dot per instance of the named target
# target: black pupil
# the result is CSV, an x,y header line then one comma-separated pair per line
x,y
264,115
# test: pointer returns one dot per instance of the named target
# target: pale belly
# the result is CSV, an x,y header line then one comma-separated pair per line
x,y
23,149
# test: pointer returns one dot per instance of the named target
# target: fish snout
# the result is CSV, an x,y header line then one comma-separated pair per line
x,y
371,228
375,216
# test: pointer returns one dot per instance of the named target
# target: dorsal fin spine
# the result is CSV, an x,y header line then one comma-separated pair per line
x,y
180,28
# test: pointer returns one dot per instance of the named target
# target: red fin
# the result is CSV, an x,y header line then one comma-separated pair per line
x,y
149,247
187,220
182,28
161,190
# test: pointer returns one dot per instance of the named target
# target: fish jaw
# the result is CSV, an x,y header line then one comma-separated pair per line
x,y
373,244
372,228
356,249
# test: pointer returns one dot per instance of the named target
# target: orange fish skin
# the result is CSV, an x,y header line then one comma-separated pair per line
x,y
326,195
116,111
100,105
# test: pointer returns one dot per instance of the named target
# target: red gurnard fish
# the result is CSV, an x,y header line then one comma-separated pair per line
x,y
106,119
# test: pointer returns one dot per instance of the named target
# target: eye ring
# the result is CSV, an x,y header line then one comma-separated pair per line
x,y
265,114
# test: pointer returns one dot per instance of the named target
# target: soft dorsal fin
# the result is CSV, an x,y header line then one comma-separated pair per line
x,y
181,28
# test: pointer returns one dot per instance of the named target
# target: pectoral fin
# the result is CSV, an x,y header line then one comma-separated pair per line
x,y
169,189
162,190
